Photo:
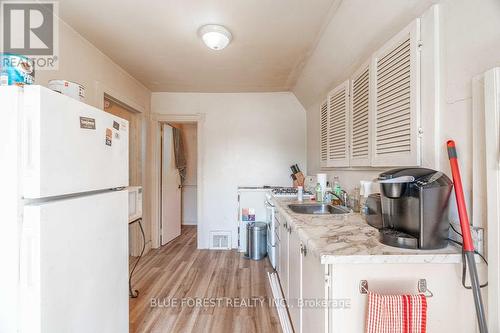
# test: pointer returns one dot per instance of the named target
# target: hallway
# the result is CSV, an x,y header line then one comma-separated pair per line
x,y
178,272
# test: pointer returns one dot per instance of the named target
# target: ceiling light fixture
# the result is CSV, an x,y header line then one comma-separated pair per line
x,y
215,36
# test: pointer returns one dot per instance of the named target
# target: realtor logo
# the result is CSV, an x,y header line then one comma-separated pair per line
x,y
31,29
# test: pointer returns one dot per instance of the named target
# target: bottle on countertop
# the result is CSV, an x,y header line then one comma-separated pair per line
x,y
336,201
355,200
328,197
336,186
319,193
300,193
295,168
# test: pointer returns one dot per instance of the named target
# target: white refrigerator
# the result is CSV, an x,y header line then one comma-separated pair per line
x,y
63,231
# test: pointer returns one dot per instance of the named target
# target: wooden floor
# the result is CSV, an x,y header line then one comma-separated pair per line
x,y
179,272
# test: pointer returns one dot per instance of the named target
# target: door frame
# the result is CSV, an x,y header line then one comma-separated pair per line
x,y
155,189
105,92
486,180
102,90
169,229
492,168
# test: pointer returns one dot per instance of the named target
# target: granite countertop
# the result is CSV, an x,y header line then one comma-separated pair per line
x,y
348,239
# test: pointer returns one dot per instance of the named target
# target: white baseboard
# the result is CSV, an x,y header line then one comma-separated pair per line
x,y
189,223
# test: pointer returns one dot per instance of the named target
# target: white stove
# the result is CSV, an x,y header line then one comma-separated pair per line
x,y
272,223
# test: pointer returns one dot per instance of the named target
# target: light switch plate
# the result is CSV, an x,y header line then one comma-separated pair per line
x,y
477,234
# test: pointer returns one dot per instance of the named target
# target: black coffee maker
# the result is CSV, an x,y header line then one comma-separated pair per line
x,y
414,208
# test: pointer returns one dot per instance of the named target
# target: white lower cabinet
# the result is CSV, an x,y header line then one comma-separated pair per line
x,y
308,285
294,280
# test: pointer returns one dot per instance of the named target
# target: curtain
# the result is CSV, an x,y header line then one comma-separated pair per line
x,y
180,157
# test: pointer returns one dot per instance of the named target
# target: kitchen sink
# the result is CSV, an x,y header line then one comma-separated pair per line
x,y
318,208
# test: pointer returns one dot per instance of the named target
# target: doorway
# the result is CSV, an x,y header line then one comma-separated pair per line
x,y
133,117
137,240
178,179
157,120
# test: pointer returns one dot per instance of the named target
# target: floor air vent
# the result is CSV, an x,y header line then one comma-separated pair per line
x,y
220,240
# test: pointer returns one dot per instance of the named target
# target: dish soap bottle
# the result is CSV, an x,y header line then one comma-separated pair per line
x,y
328,197
336,186
319,193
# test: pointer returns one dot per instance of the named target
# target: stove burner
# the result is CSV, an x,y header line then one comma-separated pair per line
x,y
287,191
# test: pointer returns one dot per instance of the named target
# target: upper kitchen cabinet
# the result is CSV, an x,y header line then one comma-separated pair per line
x,y
385,114
396,86
360,124
337,127
323,110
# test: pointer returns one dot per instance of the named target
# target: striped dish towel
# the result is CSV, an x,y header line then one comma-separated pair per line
x,y
396,313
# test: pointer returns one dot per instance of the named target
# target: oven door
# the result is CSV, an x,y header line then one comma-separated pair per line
x,y
272,253
271,226
269,212
271,234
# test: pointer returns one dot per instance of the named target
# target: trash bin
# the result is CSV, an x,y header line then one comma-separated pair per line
x,y
256,240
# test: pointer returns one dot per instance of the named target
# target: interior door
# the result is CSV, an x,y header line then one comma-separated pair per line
x,y
492,154
170,189
75,246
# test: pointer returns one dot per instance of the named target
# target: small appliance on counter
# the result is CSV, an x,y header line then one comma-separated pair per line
x,y
134,203
372,211
16,69
414,208
297,176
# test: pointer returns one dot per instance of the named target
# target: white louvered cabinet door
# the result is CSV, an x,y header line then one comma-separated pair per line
x,y
360,123
338,126
323,115
395,86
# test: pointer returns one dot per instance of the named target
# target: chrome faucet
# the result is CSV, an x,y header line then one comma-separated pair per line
x,y
342,198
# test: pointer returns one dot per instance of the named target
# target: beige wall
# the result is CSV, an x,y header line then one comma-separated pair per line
x,y
189,200
471,34
190,145
247,139
82,62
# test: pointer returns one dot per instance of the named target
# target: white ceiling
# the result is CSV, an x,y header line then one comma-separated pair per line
x,y
157,43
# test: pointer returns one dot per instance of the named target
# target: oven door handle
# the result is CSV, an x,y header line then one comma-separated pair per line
x,y
268,204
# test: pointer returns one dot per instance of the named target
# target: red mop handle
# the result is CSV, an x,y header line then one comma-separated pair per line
x,y
459,194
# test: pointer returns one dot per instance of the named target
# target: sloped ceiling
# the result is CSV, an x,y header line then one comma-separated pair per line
x,y
356,30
